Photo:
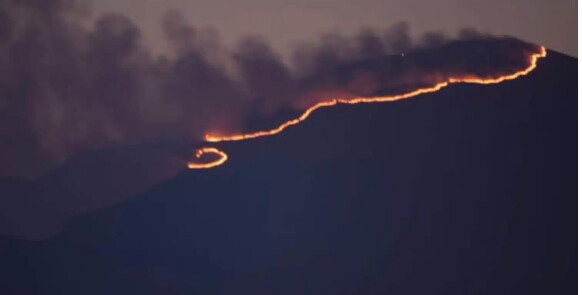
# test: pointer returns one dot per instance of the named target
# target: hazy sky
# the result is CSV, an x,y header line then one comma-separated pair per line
x,y
284,23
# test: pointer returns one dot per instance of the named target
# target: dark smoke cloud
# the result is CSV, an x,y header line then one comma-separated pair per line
x,y
66,88
269,82
434,39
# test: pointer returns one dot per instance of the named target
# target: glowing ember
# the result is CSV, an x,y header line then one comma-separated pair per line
x,y
244,136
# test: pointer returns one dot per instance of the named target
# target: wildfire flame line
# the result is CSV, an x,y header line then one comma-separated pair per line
x,y
222,157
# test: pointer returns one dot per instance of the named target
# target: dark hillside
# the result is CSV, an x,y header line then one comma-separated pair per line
x,y
471,190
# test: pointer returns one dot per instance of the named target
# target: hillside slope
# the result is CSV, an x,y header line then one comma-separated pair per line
x,y
471,190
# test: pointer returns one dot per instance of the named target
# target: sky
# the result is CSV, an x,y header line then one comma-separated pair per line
x,y
285,23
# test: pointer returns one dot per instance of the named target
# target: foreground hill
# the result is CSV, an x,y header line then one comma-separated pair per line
x,y
468,190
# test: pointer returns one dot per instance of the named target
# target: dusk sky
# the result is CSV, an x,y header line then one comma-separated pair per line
x,y
284,23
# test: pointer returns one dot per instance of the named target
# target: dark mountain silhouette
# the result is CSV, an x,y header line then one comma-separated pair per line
x,y
471,190
101,177
37,209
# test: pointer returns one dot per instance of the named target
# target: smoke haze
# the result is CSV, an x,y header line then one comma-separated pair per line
x,y
67,88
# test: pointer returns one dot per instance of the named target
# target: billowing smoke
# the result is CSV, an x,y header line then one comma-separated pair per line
x,y
66,88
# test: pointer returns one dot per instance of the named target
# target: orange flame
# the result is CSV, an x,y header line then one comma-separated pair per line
x,y
222,157
533,59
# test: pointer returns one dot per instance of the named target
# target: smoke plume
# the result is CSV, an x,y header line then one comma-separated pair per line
x,y
67,88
